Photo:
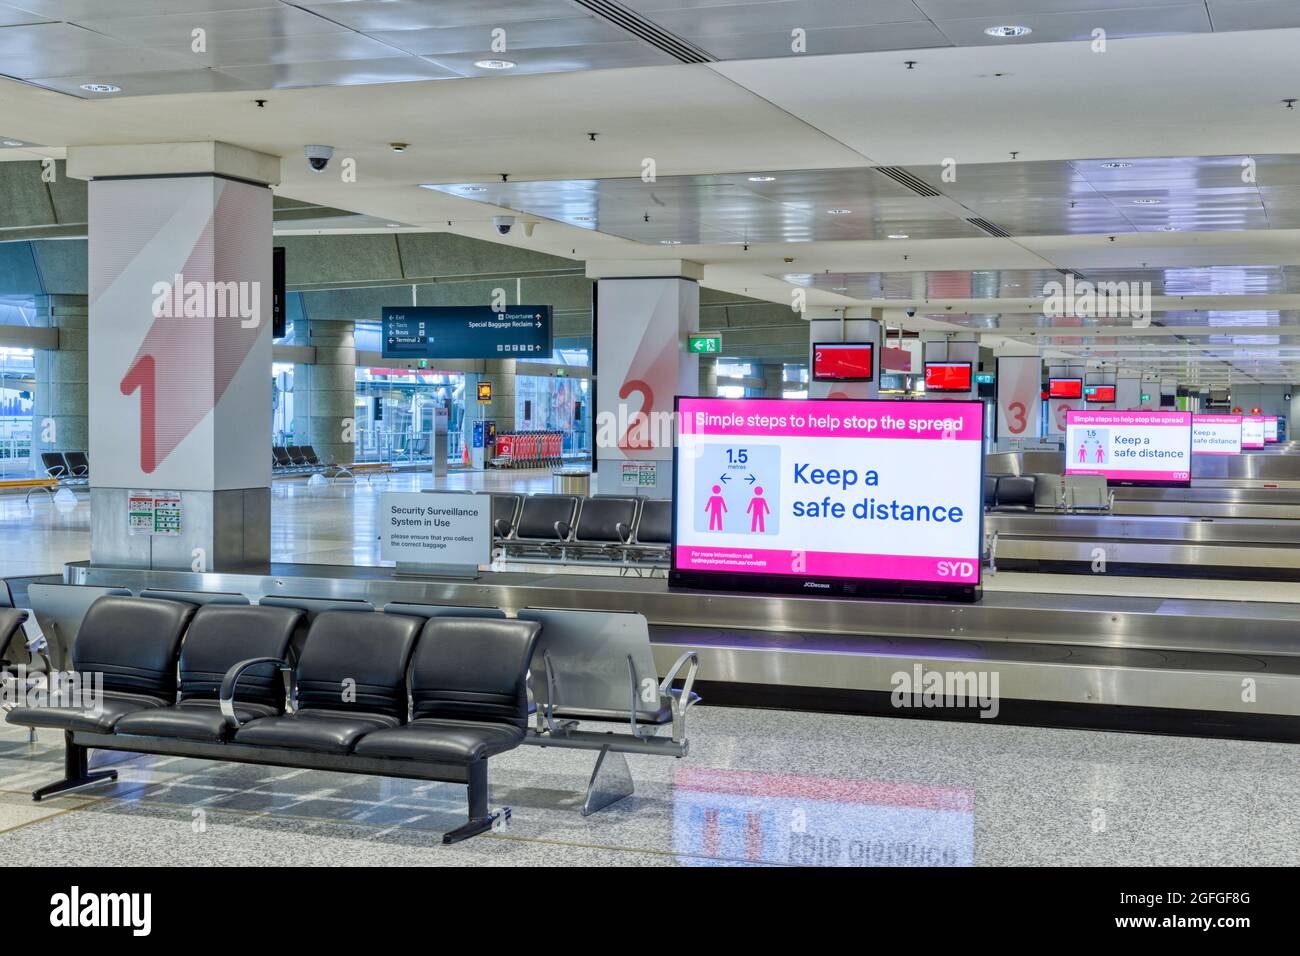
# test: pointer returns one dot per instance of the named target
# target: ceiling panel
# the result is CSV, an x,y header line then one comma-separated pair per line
x,y
743,45
1058,27
377,15
519,35
223,25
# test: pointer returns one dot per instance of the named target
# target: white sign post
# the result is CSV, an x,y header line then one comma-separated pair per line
x,y
446,534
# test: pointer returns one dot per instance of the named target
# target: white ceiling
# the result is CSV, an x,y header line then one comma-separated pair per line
x,y
1175,97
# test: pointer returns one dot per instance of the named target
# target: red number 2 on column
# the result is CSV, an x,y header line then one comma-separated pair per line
x,y
637,434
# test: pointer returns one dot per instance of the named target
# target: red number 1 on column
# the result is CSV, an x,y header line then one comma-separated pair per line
x,y
142,376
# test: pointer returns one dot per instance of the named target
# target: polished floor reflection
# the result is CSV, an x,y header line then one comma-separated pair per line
x,y
759,787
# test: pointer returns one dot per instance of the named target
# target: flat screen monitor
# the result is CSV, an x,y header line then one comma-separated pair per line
x,y
948,376
1131,447
829,497
1216,434
1097,394
1270,429
1252,431
843,362
1065,388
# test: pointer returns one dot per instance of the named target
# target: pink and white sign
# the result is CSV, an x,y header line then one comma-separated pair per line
x,y
1216,434
1253,434
1270,429
1130,446
886,491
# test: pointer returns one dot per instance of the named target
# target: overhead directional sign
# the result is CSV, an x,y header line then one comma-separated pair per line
x,y
467,332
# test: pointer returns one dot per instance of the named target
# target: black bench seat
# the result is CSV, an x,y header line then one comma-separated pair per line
x,y
468,679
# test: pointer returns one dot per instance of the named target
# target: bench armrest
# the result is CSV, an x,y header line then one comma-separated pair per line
x,y
502,527
562,529
229,682
681,701
624,533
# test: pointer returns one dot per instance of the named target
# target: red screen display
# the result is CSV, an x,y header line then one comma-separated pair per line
x,y
948,377
1065,388
842,361
1101,393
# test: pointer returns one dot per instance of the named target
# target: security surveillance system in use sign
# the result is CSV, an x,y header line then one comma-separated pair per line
x,y
829,497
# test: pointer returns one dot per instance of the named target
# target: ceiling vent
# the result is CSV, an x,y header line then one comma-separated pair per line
x,y
985,226
644,30
905,179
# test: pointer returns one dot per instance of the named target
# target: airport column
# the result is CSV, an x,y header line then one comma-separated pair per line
x,y
180,354
328,414
825,325
59,408
643,312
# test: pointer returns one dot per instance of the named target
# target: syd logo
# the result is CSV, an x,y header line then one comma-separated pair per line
x,y
955,569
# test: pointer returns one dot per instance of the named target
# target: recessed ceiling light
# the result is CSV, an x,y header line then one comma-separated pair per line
x,y
899,235
101,88
799,276
495,64
13,142
840,288
838,212
1116,165
584,218
1008,30
762,179
473,189
1146,202
394,225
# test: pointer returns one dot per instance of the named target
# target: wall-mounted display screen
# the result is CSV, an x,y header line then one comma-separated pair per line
x,y
1065,388
1098,394
948,376
829,497
843,361
1216,434
1252,431
1270,429
1130,448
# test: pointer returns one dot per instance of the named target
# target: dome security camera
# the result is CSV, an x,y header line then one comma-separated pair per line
x,y
910,312
503,224
318,157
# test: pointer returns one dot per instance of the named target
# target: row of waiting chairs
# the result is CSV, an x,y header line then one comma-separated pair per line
x,y
1046,492
567,527
296,460
85,623
66,467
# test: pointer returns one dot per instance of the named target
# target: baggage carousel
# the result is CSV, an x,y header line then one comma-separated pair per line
x,y
1216,668
1155,544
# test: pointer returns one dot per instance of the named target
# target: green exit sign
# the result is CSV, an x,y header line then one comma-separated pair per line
x,y
711,344
1146,398
983,378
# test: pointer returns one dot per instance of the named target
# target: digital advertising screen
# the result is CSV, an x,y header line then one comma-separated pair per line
x,y
1252,431
948,376
1097,394
843,361
1270,429
1065,388
1133,447
829,497
1216,434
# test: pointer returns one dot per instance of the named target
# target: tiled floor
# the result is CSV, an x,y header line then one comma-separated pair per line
x,y
335,524
758,787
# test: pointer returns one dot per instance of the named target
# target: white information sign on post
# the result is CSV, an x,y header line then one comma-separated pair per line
x,y
447,533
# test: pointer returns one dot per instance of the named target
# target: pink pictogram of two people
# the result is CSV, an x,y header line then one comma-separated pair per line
x,y
758,508
1083,454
